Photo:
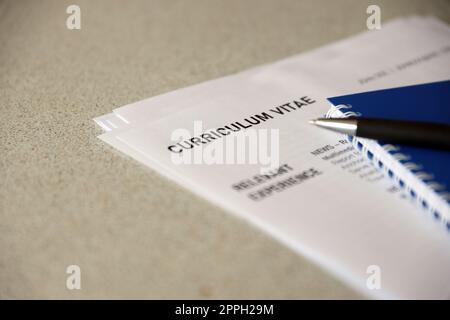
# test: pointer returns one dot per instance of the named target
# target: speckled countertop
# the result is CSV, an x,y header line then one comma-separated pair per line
x,y
67,198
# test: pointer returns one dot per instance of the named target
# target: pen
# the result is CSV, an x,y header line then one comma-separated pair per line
x,y
425,134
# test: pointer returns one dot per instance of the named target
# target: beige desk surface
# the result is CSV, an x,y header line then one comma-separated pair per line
x,y
67,198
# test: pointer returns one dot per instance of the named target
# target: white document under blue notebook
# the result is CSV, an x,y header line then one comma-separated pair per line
x,y
423,173
323,199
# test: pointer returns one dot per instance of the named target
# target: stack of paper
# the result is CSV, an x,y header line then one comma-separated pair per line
x,y
305,186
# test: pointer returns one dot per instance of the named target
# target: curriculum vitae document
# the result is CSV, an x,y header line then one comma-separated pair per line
x,y
307,187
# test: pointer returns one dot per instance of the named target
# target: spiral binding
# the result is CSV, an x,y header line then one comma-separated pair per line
x,y
340,111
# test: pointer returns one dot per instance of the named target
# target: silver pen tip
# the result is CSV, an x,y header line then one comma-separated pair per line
x,y
342,125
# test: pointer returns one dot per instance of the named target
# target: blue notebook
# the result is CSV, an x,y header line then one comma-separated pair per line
x,y
423,173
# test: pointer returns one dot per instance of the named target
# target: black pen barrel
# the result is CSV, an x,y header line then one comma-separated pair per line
x,y
405,132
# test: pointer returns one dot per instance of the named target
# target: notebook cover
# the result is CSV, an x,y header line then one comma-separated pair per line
x,y
425,102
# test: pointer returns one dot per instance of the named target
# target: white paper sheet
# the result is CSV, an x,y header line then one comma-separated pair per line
x,y
341,220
